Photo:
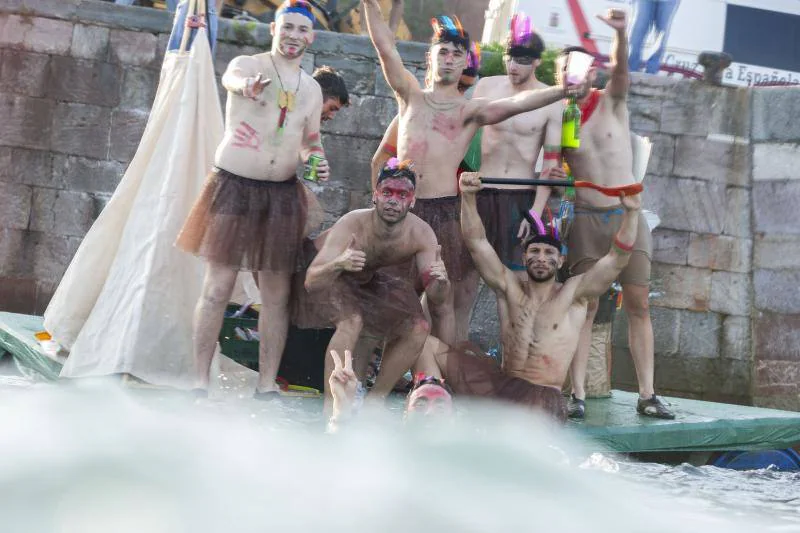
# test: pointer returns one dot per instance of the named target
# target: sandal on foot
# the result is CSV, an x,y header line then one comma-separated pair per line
x,y
654,407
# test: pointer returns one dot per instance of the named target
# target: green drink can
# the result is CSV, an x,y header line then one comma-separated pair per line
x,y
310,172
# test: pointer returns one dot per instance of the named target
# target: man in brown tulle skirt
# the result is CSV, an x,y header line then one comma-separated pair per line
x,y
251,214
540,320
350,287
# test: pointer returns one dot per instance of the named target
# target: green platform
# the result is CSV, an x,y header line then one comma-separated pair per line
x,y
698,426
17,339
613,422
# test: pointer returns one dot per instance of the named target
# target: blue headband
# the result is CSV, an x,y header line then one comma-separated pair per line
x,y
299,9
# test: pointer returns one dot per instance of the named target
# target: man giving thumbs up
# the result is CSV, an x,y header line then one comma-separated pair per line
x,y
346,287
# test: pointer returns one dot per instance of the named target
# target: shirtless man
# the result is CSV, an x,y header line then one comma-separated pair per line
x,y
251,213
605,157
509,149
436,126
388,146
543,319
347,288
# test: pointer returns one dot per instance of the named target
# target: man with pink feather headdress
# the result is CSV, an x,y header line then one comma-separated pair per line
x,y
509,149
435,128
543,317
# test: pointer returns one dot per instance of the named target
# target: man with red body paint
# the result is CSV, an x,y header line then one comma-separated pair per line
x,y
347,287
539,329
436,125
605,157
251,214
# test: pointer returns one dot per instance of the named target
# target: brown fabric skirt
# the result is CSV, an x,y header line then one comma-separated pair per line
x,y
471,373
247,224
501,212
387,304
590,238
443,215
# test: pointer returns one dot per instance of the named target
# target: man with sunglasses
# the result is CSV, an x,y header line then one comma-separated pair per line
x,y
509,149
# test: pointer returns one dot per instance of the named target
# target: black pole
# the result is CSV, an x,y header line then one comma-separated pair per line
x,y
526,181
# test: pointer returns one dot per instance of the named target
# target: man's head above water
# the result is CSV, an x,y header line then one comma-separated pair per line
x,y
523,50
429,398
447,56
394,190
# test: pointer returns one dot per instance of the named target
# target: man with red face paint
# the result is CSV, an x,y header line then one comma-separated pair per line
x,y
542,318
428,402
251,214
348,286
435,128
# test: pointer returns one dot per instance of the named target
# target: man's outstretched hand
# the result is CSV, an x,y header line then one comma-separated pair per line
x,y
255,86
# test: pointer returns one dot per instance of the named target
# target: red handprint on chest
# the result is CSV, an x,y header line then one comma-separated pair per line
x,y
246,136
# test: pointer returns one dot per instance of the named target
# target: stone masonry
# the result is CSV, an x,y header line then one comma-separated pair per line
x,y
77,78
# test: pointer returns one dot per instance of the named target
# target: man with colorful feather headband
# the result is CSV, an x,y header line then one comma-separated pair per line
x,y
435,128
388,145
605,157
251,214
542,317
350,287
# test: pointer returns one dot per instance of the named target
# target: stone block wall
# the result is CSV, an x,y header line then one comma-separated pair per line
x,y
725,272
776,248
77,78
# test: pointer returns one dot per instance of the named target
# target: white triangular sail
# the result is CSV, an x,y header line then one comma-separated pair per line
x,y
125,303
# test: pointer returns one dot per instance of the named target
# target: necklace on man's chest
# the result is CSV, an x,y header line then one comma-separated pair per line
x,y
447,105
286,100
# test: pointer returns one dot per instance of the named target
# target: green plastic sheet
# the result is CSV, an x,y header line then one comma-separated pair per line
x,y
698,426
17,339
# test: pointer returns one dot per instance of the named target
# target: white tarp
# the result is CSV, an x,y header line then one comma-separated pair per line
x,y
125,303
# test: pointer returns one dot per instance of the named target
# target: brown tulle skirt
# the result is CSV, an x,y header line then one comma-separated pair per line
x,y
501,212
471,373
247,224
386,303
443,215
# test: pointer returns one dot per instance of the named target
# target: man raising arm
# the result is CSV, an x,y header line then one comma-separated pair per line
x,y
540,329
605,157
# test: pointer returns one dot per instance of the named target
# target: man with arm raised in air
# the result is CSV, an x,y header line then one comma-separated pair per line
x,y
436,126
605,157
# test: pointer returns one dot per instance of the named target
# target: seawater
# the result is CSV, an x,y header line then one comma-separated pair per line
x,y
88,458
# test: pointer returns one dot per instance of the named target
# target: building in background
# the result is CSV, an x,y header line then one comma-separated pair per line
x,y
761,35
